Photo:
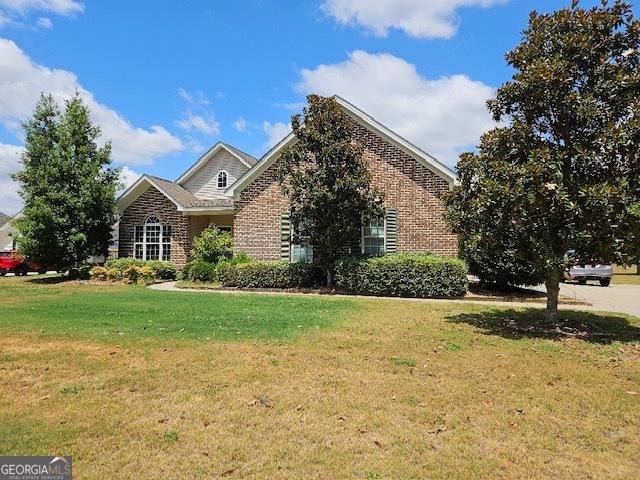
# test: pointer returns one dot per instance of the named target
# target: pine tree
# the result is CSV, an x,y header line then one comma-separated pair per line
x,y
67,186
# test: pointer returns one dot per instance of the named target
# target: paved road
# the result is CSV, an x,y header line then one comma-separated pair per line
x,y
616,298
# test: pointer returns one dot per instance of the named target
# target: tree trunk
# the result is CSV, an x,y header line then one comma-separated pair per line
x,y
329,278
638,268
552,283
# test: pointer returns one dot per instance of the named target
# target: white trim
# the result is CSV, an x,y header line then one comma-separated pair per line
x,y
265,162
205,210
426,159
124,201
160,243
206,157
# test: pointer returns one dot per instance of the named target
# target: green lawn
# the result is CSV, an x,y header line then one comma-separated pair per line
x,y
135,383
137,312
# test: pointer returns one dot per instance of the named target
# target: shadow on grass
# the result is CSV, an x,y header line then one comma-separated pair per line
x,y
49,280
529,323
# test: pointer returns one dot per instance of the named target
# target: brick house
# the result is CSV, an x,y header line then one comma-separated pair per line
x,y
231,189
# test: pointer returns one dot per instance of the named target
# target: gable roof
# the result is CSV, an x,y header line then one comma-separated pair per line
x,y
4,218
243,157
426,159
183,199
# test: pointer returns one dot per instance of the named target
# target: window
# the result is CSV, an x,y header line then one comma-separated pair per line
x,y
225,229
300,253
152,241
373,238
222,179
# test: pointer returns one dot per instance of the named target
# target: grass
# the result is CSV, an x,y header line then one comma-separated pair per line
x,y
353,389
626,275
135,312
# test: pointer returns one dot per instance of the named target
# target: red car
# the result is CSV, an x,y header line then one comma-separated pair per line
x,y
13,262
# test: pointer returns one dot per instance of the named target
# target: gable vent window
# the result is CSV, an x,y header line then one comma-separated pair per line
x,y
222,179
152,241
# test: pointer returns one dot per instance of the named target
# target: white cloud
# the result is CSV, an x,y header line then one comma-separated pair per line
x,y
61,7
44,22
194,98
417,18
241,125
207,126
275,132
127,177
444,116
10,201
22,81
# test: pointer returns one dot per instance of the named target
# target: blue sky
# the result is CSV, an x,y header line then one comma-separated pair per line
x,y
166,80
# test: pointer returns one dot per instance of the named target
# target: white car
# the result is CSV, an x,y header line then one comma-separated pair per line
x,y
584,271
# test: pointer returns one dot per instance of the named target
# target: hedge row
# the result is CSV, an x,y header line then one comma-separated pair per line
x,y
160,270
403,275
270,274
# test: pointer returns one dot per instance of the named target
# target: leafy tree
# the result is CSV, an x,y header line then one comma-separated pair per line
x,y
327,181
499,267
67,186
564,167
212,245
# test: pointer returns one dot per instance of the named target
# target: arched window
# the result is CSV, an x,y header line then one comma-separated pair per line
x,y
222,179
152,241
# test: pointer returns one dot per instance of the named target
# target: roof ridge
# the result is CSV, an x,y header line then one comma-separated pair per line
x,y
237,150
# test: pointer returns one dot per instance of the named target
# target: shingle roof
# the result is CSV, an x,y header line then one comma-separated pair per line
x,y
251,160
4,218
185,198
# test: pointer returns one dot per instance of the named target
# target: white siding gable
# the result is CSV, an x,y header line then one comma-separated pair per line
x,y
204,182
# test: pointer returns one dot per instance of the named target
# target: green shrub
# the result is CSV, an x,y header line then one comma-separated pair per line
x,y
80,272
496,266
98,273
134,274
161,270
269,274
212,245
403,275
199,271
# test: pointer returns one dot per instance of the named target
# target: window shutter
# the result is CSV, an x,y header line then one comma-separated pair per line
x,y
285,236
391,233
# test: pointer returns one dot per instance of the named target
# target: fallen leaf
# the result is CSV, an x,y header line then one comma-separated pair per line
x,y
226,473
206,424
378,443
342,419
299,407
163,420
631,392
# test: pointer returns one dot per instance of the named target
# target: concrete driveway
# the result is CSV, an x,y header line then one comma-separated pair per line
x,y
615,298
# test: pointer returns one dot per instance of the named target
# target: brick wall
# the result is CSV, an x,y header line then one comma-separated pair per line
x,y
152,202
408,186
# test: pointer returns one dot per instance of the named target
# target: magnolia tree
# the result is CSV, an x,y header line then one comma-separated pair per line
x,y
67,186
326,181
563,168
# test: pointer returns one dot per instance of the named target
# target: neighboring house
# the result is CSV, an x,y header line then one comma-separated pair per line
x,y
231,189
7,233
